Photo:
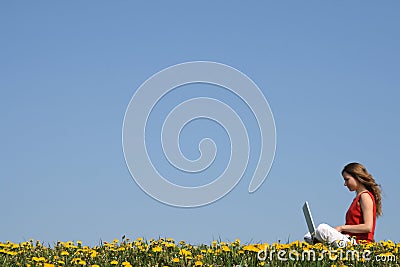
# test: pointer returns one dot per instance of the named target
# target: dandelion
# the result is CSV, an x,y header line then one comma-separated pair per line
x,y
64,253
126,264
93,253
226,248
184,254
157,249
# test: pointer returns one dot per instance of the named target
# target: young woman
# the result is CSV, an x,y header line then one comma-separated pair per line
x,y
362,213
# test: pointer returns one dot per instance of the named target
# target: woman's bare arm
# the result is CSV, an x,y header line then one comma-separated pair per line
x,y
367,207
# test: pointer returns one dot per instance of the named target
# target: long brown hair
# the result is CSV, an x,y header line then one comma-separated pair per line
x,y
359,172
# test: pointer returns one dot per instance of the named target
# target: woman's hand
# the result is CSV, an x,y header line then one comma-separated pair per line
x,y
339,228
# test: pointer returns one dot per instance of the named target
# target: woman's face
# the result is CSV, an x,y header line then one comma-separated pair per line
x,y
350,181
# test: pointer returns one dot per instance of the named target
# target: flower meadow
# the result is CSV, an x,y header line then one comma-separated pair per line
x,y
168,252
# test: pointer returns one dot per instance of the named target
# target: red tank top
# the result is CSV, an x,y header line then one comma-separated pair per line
x,y
354,216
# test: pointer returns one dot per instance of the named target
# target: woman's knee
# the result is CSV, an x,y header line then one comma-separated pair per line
x,y
322,230
323,226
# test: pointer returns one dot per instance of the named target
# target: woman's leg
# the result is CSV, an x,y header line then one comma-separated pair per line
x,y
326,233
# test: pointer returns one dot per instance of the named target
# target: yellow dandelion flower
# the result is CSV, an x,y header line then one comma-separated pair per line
x,y
93,253
170,245
114,262
198,263
250,248
175,260
157,249
185,252
225,248
75,260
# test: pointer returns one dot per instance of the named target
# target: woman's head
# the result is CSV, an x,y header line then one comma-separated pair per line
x,y
360,175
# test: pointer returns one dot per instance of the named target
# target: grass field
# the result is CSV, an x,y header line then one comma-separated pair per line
x,y
167,252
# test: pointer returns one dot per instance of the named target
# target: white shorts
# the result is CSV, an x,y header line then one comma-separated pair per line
x,y
328,234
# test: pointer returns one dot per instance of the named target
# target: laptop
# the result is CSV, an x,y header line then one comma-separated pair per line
x,y
309,219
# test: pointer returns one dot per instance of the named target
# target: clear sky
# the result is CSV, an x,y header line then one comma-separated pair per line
x,y
69,69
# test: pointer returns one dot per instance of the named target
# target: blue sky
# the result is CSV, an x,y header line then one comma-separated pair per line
x,y
69,69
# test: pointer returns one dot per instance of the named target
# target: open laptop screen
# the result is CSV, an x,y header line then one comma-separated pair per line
x,y
309,219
